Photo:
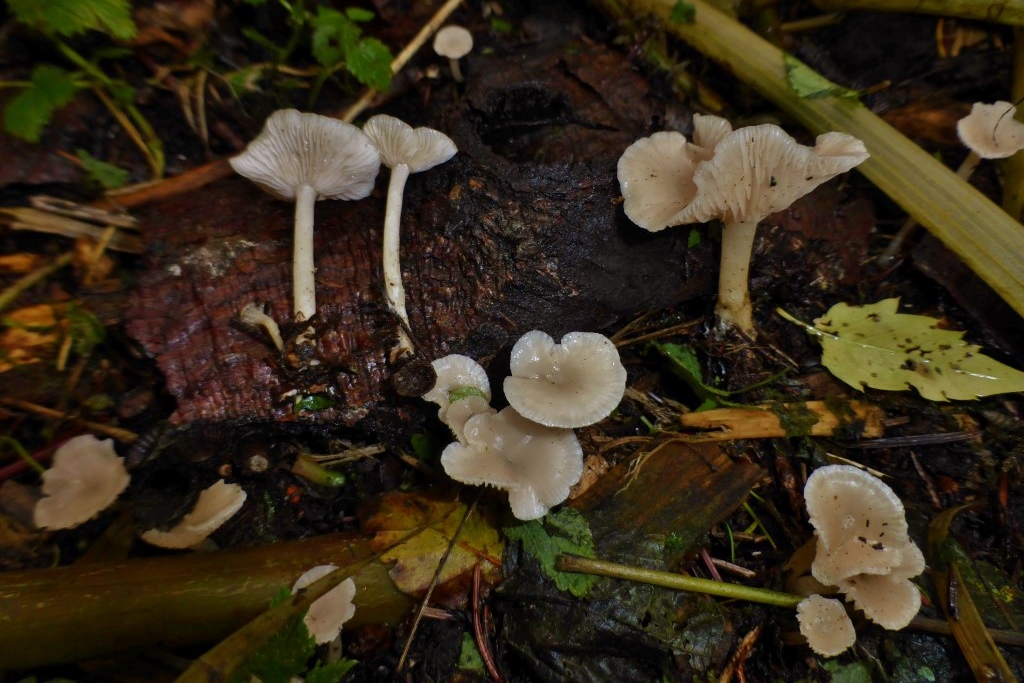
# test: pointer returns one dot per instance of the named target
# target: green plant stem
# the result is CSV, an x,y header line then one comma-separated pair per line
x,y
1009,12
9,295
981,233
66,614
309,469
25,456
585,565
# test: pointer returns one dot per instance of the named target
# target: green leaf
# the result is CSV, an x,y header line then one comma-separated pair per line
x,y
469,656
283,655
808,83
28,113
106,175
330,673
370,63
359,14
334,36
856,672
71,17
682,13
875,346
565,531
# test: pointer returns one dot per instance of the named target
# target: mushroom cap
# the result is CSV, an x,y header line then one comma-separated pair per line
x,y
888,600
297,149
859,555
991,131
708,131
326,615
572,384
758,170
86,477
215,505
453,42
460,411
311,576
826,625
454,372
399,143
656,179
846,503
537,465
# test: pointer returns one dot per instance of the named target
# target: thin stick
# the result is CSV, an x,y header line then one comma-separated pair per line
x,y
9,295
433,584
122,435
586,565
403,57
479,634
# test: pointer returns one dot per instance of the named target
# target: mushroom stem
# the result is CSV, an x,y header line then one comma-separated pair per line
x,y
303,282
393,287
733,308
456,69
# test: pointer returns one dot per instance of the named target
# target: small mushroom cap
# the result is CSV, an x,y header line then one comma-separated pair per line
x,y
846,504
572,384
826,625
297,149
859,555
656,179
991,131
759,170
399,143
326,615
460,411
86,477
453,42
888,600
537,465
454,372
215,505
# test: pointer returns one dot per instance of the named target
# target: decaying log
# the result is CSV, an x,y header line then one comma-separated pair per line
x,y
811,418
521,230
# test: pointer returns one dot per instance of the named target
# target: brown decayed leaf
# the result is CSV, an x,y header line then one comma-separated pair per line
x,y
28,334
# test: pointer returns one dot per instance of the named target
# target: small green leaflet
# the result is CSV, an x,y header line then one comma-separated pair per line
x,y
337,38
682,13
28,113
565,531
875,346
106,175
808,83
71,17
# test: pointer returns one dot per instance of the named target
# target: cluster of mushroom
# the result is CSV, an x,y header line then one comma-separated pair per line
x,y
87,476
737,176
529,448
305,157
864,551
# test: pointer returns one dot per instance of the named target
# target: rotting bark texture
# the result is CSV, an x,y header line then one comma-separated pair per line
x,y
519,231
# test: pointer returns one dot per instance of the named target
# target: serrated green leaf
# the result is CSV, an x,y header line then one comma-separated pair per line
x,y
334,36
71,17
28,113
875,346
808,83
106,175
370,63
284,655
564,531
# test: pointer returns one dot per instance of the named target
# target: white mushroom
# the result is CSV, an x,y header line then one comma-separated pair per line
x,y
453,42
459,374
572,384
890,600
990,131
404,150
86,477
216,504
537,465
826,625
325,616
753,172
252,314
306,157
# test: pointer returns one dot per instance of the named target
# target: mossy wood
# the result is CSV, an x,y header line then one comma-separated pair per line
x,y
811,418
982,234
95,610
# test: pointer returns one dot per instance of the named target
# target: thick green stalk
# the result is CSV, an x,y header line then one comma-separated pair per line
x,y
1009,12
983,235
586,565
67,614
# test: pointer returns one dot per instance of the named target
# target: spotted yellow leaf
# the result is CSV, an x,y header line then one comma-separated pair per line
x,y
875,346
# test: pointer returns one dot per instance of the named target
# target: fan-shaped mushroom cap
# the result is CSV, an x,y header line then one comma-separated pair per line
x,y
656,179
860,523
215,505
296,149
325,616
708,131
537,465
991,131
86,477
572,384
455,372
758,170
460,411
399,143
453,42
826,625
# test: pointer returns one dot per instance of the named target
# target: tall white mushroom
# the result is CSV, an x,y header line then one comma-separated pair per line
x,y
306,157
738,176
453,42
404,150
